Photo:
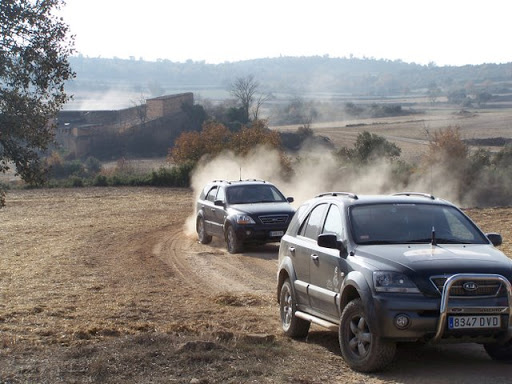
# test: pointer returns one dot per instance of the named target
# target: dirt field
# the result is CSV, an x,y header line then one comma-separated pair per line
x,y
103,285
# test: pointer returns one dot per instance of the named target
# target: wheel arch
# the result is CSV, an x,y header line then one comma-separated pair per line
x,y
356,286
227,223
200,215
285,272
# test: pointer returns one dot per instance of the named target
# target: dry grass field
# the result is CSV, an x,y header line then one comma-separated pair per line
x,y
410,132
103,285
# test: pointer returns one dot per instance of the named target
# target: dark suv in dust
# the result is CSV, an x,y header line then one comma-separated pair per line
x,y
387,269
244,211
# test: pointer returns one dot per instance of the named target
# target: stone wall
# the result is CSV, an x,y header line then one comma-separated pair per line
x,y
167,105
81,133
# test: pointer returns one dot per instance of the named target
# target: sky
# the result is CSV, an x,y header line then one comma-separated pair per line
x,y
447,32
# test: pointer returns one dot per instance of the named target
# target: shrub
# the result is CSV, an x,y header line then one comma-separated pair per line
x,y
100,181
92,165
369,147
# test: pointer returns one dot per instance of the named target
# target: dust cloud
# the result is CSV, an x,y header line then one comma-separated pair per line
x,y
314,171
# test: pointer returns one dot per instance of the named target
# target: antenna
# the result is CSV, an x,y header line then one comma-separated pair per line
x,y
240,173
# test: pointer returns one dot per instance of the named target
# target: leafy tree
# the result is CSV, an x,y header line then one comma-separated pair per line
x,y
216,137
369,147
259,134
189,146
457,96
34,50
483,97
196,115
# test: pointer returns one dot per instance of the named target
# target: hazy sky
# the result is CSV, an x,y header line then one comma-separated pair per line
x,y
447,32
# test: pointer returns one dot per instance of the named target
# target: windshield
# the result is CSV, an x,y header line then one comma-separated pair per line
x,y
412,223
248,194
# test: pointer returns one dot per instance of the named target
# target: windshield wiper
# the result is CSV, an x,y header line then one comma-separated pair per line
x,y
452,241
438,241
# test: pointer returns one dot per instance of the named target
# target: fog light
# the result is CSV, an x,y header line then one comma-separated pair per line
x,y
248,233
402,321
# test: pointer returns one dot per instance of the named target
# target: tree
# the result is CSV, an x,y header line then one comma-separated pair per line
x,y
433,92
34,50
244,89
369,147
447,146
216,137
141,109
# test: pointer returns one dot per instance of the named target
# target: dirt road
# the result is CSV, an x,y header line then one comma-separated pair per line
x,y
104,285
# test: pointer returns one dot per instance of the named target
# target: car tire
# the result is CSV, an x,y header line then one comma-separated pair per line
x,y
360,347
292,325
204,238
500,352
233,244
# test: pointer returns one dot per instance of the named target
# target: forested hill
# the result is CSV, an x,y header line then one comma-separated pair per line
x,y
302,75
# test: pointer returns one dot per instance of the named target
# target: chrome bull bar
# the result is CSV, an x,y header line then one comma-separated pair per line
x,y
445,297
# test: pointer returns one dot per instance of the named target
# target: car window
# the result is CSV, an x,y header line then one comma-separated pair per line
x,y
220,194
211,194
412,223
313,224
333,222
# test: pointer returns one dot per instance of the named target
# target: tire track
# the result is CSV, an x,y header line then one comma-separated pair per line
x,y
210,269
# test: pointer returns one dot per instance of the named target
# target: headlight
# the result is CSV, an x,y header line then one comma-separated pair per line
x,y
244,219
393,282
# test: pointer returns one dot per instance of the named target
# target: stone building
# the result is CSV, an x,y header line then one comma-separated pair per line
x,y
147,129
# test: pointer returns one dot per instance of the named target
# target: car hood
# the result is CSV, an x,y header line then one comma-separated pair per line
x,y
442,258
263,208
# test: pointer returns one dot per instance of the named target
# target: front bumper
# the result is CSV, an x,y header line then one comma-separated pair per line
x,y
428,316
259,233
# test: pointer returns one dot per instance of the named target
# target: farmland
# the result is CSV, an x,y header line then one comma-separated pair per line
x,y
107,285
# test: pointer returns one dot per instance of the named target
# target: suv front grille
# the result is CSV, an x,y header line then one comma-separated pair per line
x,y
274,219
484,288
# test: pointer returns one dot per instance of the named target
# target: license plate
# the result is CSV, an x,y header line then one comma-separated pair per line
x,y
276,233
468,322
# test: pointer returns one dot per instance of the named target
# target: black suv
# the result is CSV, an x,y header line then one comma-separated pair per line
x,y
386,269
244,211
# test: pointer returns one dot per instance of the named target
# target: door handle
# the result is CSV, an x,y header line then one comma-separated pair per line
x,y
314,257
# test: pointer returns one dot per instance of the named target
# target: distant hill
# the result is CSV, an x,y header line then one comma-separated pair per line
x,y
287,75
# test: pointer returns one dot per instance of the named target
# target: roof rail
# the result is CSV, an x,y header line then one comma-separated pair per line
x,y
427,195
348,194
220,181
263,181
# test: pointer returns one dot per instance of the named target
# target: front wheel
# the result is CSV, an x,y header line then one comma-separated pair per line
x,y
500,352
292,325
204,238
360,347
233,244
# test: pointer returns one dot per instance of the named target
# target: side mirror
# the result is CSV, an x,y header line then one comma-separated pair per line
x,y
289,199
330,240
495,239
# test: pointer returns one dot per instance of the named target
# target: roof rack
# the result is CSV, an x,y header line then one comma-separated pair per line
x,y
427,195
348,194
263,181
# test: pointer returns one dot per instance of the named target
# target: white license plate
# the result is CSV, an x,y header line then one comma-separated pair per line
x,y
468,322
276,233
